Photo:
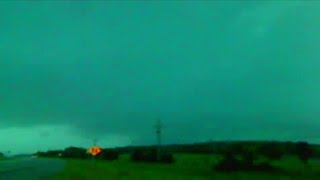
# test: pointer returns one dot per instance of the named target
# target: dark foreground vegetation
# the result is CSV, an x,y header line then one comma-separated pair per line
x,y
151,155
232,156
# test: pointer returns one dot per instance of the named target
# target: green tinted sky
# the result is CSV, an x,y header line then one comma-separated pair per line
x,y
71,71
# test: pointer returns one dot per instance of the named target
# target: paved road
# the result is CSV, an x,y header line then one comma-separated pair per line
x,y
30,168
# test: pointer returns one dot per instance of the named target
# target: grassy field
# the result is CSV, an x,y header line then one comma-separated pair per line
x,y
187,167
5,159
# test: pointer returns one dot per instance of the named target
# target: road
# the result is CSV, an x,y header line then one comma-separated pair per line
x,y
30,168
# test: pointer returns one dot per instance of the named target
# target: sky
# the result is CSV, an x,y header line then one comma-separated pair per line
x,y
210,70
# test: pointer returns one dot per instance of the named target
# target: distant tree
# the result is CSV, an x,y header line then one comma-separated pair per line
x,y
167,158
304,151
109,154
137,155
229,163
75,152
316,152
40,154
53,153
272,151
248,158
151,155
241,157
289,148
236,149
230,150
1,155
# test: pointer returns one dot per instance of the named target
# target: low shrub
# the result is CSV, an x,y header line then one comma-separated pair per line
x,y
109,155
244,161
167,158
137,156
151,156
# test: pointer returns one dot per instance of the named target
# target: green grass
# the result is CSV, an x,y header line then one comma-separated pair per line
x,y
3,167
187,167
5,158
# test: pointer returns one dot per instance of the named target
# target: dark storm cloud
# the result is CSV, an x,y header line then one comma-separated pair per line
x,y
207,69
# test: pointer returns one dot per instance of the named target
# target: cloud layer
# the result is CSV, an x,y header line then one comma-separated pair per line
x,y
209,70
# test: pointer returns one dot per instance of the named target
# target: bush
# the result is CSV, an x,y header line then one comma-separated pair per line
x,y
248,158
109,154
264,167
232,164
304,151
228,163
234,149
167,158
244,162
151,156
75,152
137,156
272,151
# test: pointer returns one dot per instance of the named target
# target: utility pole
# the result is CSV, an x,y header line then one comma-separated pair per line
x,y
94,144
95,141
159,128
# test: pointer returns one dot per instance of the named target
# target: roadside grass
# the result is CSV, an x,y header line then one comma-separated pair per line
x,y
6,158
187,166
4,164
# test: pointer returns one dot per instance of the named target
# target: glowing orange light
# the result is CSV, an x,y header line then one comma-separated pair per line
x,y
95,150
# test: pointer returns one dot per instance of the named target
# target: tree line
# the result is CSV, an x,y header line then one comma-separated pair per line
x,y
235,155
